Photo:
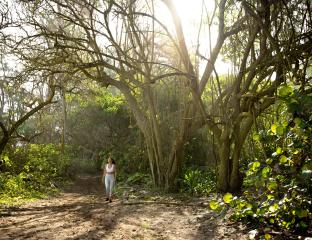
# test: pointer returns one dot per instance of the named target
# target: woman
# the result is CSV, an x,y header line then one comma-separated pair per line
x,y
109,173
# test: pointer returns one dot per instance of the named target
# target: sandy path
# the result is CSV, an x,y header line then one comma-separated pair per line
x,y
82,213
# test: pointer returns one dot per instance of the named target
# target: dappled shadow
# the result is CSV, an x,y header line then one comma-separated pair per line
x,y
82,213
213,226
87,185
208,227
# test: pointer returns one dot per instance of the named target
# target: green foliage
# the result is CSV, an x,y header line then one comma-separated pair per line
x,y
227,198
45,161
110,102
285,91
130,158
32,171
198,182
199,149
100,125
278,190
138,179
15,190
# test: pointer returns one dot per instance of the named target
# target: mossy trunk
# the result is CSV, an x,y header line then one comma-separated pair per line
x,y
231,141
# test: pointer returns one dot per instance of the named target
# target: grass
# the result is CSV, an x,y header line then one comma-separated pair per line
x,y
9,201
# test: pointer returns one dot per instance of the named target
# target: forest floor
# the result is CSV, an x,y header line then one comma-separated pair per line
x,y
81,212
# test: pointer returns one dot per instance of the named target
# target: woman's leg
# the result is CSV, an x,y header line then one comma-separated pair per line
x,y
111,186
107,186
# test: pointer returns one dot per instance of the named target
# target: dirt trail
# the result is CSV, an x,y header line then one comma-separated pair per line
x,y
82,213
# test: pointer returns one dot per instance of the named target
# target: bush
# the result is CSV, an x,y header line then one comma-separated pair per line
x,y
129,158
278,193
198,182
139,179
31,171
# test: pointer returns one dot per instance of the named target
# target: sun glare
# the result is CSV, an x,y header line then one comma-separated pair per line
x,y
190,13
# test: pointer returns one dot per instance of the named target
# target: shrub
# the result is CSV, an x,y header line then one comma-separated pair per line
x,y
278,191
31,171
139,179
198,182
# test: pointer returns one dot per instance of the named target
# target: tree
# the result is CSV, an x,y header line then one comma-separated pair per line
x,y
23,92
18,111
271,38
20,101
126,64
123,44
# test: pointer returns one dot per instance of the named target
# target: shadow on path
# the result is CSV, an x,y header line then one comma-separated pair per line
x,y
81,213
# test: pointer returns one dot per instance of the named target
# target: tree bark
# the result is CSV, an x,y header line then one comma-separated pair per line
x,y
5,138
224,160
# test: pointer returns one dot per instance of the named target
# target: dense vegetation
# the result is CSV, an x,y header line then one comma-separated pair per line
x,y
277,189
82,80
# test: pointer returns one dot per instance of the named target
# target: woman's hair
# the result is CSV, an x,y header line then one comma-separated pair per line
x,y
113,161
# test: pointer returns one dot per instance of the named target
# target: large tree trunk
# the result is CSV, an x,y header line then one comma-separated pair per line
x,y
229,177
165,165
230,148
175,159
234,174
224,160
4,141
5,138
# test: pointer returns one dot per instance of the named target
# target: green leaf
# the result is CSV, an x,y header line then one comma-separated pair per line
x,y
280,130
273,128
296,152
279,151
272,185
285,91
273,208
7,161
227,198
283,159
265,171
255,166
277,129
241,204
214,205
248,206
256,137
267,236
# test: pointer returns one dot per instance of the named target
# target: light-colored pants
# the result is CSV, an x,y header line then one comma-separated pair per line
x,y
109,184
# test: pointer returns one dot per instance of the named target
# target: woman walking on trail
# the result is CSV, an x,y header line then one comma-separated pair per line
x,y
109,173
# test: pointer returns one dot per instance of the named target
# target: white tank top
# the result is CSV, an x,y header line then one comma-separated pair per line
x,y
110,169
